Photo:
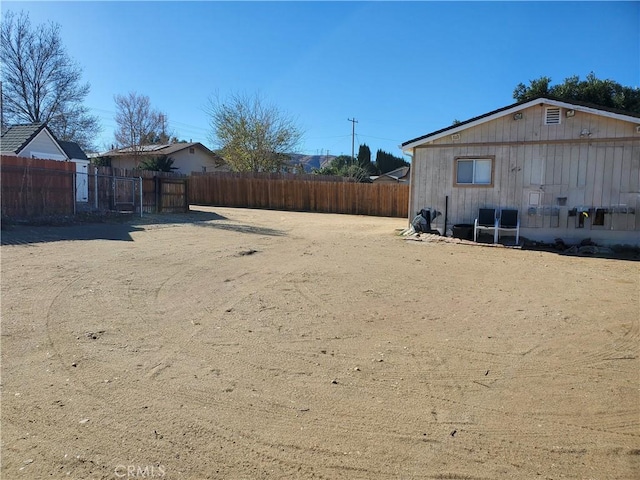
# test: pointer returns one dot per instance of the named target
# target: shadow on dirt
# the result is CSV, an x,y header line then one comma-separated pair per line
x,y
233,227
26,234
586,249
116,227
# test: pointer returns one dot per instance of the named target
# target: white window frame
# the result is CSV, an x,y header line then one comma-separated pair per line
x,y
473,182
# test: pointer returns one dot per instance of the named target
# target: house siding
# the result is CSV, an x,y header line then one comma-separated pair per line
x,y
192,162
42,144
185,162
554,161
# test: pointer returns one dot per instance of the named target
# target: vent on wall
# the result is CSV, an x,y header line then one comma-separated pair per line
x,y
552,116
638,129
455,136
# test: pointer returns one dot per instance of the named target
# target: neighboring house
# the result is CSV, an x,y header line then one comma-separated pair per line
x,y
35,140
571,170
399,175
187,157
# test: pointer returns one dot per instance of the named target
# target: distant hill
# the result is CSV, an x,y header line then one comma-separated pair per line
x,y
310,161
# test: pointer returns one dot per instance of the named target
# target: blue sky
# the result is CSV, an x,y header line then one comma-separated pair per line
x,y
401,69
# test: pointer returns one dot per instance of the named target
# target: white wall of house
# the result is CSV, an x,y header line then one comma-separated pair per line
x,y
43,146
188,162
544,171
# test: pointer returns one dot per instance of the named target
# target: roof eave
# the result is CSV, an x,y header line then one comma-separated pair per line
x,y
411,144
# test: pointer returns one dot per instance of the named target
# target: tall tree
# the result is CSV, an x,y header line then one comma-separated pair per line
x,y
163,135
252,135
387,162
137,122
605,93
41,83
364,159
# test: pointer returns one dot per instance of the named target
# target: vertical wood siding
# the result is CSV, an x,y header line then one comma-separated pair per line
x,y
600,170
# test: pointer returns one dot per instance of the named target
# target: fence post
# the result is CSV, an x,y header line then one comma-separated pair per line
x,y
112,203
186,194
74,190
140,178
95,185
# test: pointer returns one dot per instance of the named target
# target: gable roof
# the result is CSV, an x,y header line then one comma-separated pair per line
x,y
509,109
73,150
396,174
18,136
158,149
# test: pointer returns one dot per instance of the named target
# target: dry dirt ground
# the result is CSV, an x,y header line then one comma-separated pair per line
x,y
246,344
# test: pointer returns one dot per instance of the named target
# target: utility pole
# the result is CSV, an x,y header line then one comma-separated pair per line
x,y
353,137
163,121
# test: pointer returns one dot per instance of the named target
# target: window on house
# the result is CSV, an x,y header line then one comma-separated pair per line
x,y
474,171
552,116
192,150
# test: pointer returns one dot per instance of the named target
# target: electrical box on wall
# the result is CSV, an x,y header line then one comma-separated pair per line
x,y
534,198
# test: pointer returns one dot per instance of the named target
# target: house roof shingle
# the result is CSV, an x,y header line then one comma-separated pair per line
x,y
73,150
160,149
18,136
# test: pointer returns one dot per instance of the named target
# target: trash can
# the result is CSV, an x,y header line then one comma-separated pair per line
x,y
463,231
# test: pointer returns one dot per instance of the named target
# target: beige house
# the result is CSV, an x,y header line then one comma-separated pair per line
x,y
187,157
571,170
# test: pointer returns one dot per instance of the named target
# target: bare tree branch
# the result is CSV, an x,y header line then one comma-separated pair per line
x,y
41,84
137,122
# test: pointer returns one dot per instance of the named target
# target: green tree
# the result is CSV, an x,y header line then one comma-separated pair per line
x,y
364,159
341,166
252,135
161,163
536,88
604,93
386,162
41,83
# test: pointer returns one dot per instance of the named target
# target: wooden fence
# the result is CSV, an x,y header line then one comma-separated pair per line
x,y
299,193
32,188
161,191
36,188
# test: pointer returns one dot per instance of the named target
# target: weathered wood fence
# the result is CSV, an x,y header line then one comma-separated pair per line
x,y
307,193
39,188
35,188
118,189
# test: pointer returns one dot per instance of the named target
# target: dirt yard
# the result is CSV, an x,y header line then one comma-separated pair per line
x,y
246,344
